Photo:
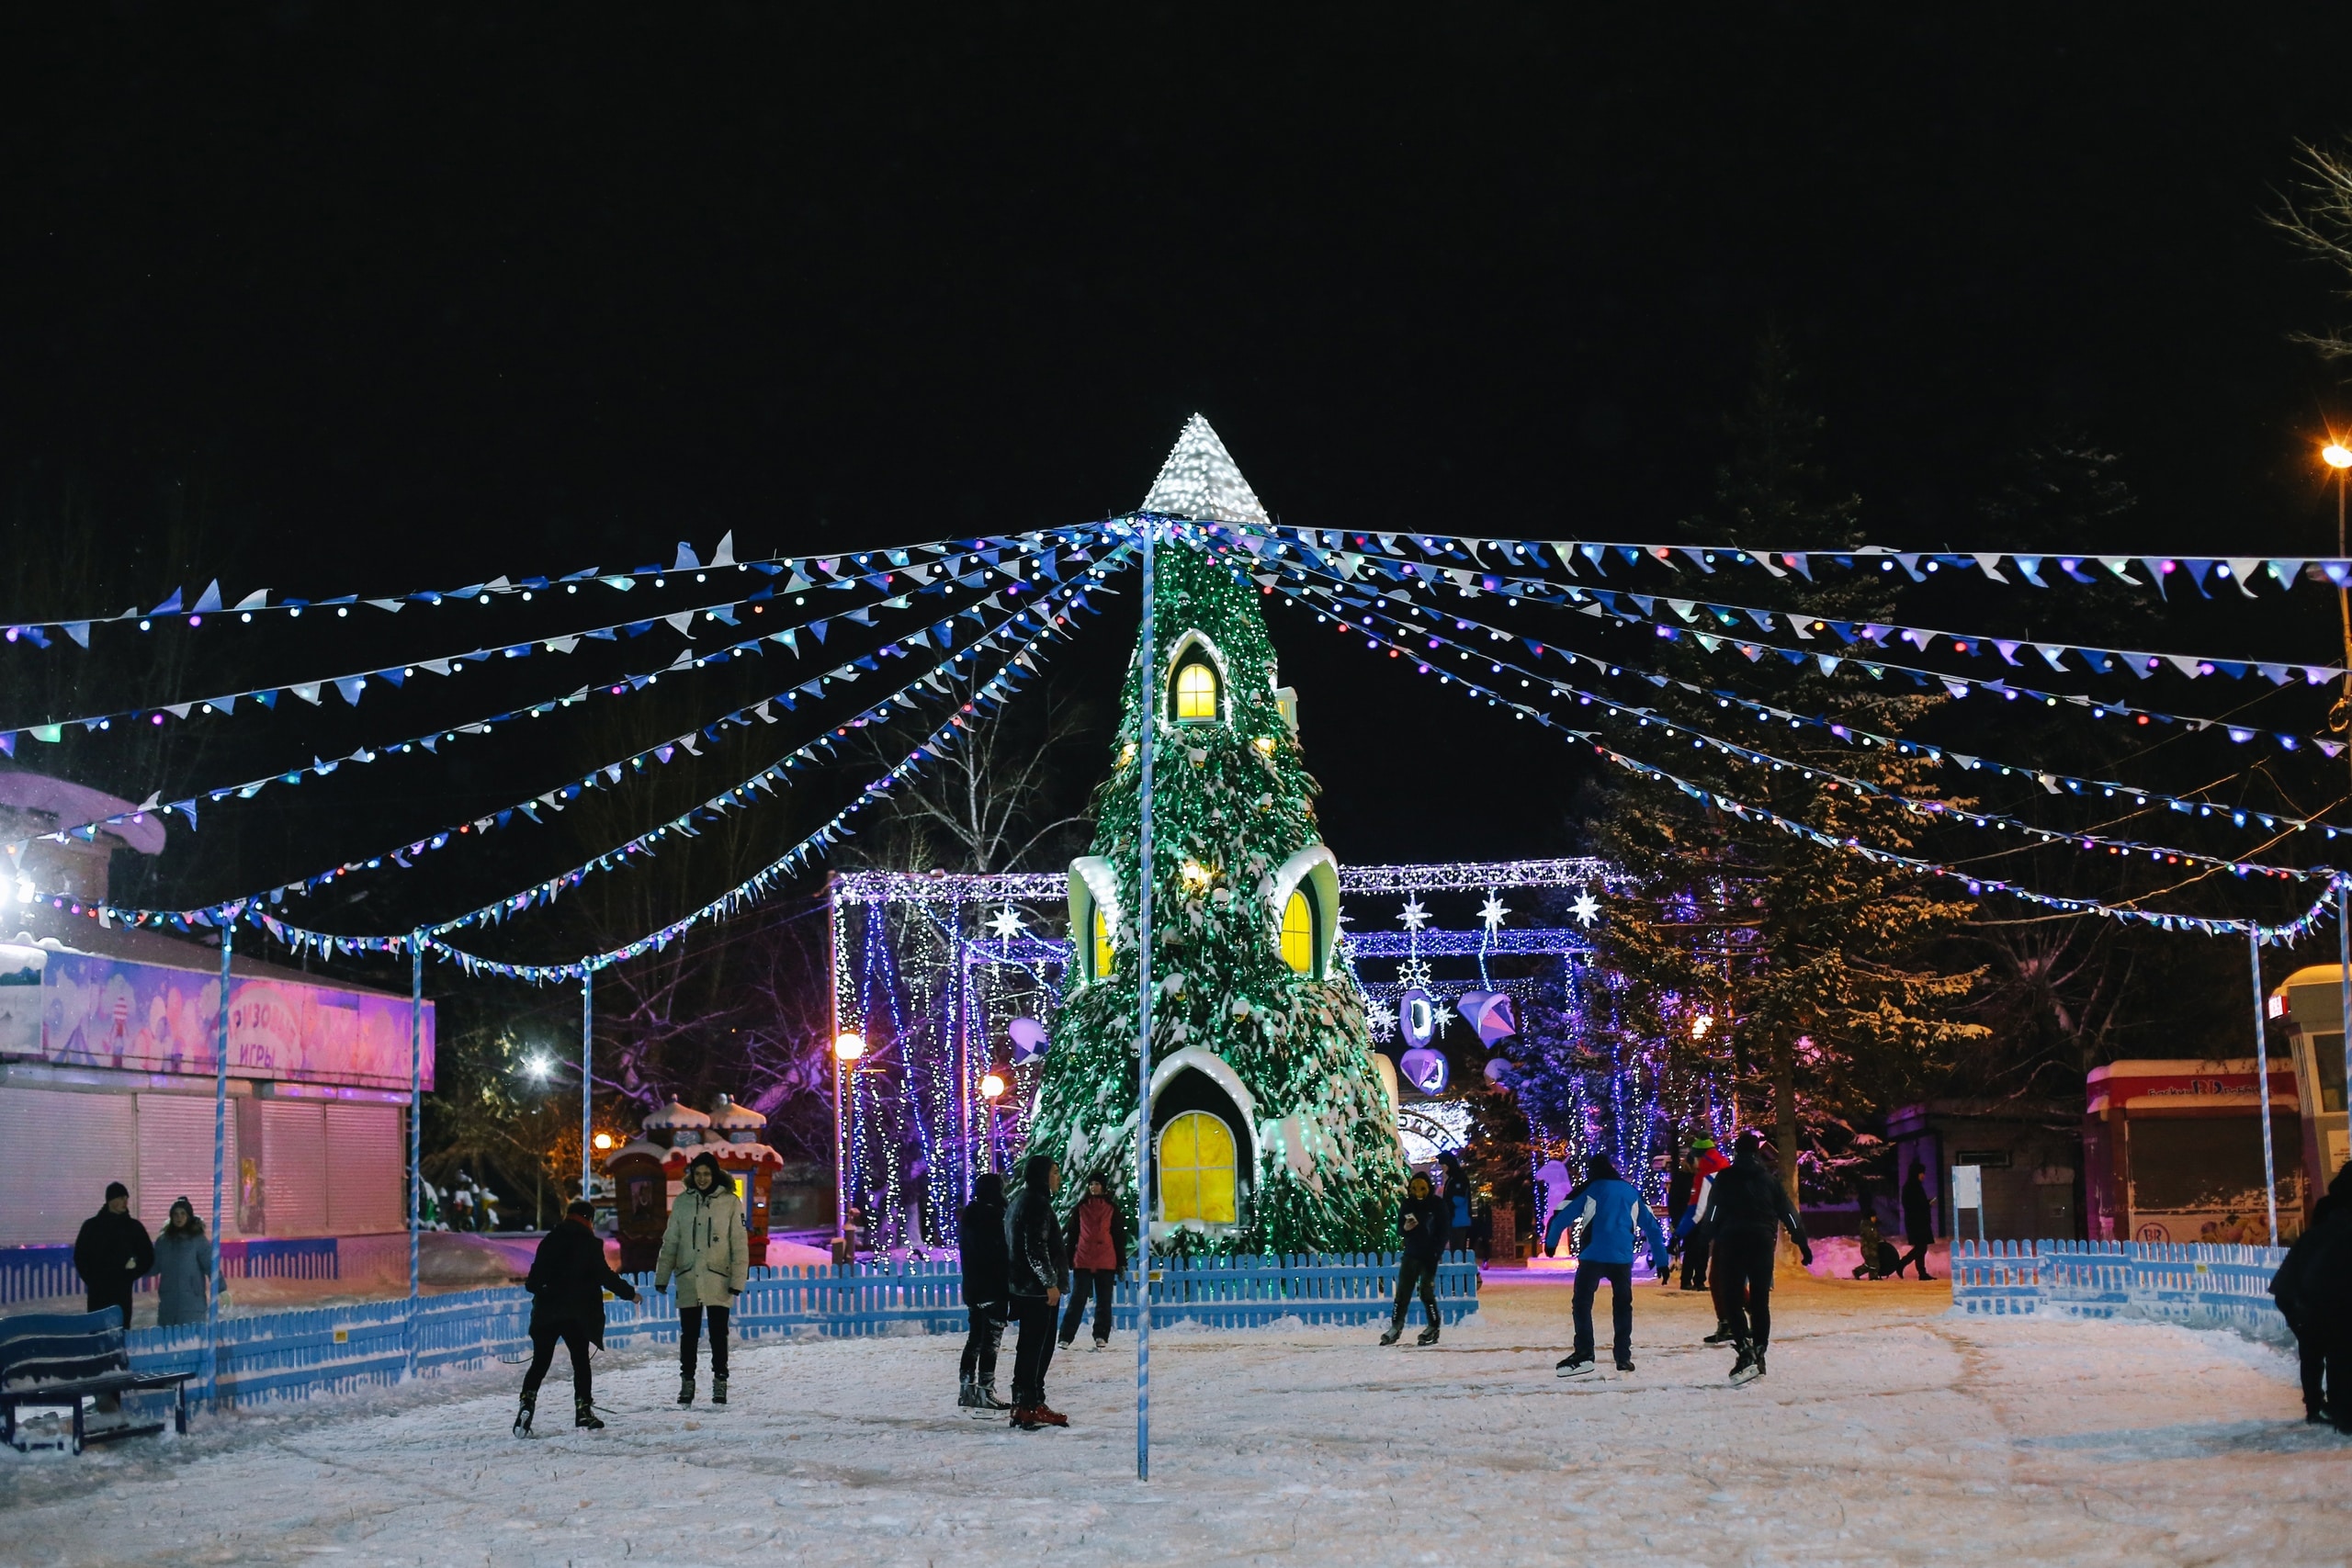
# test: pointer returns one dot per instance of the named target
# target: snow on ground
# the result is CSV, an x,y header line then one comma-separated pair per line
x,y
1888,1431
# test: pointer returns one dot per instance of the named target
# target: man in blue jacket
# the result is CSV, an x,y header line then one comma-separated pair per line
x,y
1609,1208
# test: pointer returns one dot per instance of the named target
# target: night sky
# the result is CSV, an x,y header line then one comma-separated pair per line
x,y
366,298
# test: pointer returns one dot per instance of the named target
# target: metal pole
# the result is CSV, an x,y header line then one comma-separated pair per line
x,y
587,1080
219,1171
2262,1077
415,1129
963,1065
2343,1007
1148,669
833,1048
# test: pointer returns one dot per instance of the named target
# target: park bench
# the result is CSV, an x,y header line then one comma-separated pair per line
x,y
63,1361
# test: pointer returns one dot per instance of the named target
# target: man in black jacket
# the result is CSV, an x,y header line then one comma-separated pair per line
x,y
113,1253
1422,1222
986,1295
1748,1205
567,1280
1035,1266
1918,1223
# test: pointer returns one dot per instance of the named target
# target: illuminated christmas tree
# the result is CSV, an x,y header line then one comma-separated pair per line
x,y
1272,1125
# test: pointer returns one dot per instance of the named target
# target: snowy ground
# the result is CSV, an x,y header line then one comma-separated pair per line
x,y
1888,1431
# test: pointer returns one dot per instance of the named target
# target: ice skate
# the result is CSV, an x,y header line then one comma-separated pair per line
x,y
1395,1331
1428,1336
1724,1335
523,1416
1024,1417
719,1390
967,1395
1573,1366
988,1401
1102,1344
1747,1369
1046,1415
687,1389
1625,1363
583,1415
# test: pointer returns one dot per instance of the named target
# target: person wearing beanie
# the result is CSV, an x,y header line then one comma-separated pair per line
x,y
112,1253
183,1267
1698,1236
1035,1266
567,1283
1612,1210
1096,1244
706,1251
988,1296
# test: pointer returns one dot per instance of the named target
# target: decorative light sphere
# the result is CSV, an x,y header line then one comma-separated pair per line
x,y
2336,455
1028,1039
603,1140
992,1087
848,1047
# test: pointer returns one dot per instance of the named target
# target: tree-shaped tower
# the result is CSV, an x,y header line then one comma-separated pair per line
x,y
1273,1125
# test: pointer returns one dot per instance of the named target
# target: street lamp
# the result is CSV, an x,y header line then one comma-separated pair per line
x,y
848,1046
992,1087
602,1141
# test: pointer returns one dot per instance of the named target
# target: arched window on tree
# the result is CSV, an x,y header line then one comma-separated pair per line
x,y
1196,1180
1298,932
1196,692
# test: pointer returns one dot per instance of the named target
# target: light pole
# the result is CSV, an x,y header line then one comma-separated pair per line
x,y
2336,456
992,1090
847,1048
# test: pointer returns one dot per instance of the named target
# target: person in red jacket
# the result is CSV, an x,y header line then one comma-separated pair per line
x,y
1098,1251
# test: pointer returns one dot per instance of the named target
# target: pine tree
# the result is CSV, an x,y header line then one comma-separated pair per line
x,y
1232,804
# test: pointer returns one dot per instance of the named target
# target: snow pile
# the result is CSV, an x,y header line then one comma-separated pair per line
x,y
1889,1431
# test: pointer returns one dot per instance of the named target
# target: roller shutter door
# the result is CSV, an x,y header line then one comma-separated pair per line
x,y
175,1160
366,1165
294,1169
57,1154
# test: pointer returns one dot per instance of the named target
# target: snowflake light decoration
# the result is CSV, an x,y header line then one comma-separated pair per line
x,y
1414,974
1006,923
1381,1019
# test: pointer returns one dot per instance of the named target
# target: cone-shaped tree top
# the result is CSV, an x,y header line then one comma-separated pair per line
x,y
1200,479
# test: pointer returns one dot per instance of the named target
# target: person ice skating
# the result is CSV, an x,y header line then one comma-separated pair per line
x,y
183,1267
1707,1162
1878,1258
2291,1286
1098,1251
706,1251
1035,1264
567,1283
1458,1201
112,1254
1612,1210
1421,1223
987,1296
1748,1205
1918,1223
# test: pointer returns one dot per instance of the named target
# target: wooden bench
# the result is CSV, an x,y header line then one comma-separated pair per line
x,y
62,1360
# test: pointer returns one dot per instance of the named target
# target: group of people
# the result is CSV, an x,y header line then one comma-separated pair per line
x,y
112,1252
1739,1209
1016,1256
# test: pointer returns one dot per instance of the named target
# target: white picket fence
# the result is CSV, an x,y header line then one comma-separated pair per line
x,y
2184,1283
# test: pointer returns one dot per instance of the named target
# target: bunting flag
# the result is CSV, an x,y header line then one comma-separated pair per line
x,y
1854,735
1927,809
1071,596
802,571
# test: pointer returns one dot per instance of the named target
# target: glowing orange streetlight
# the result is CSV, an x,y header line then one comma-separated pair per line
x,y
2336,455
848,1047
603,1140
992,1088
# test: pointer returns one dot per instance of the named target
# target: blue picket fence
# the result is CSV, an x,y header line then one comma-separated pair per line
x,y
2190,1283
294,1355
37,1273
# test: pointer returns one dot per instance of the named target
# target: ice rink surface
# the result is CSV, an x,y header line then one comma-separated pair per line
x,y
1888,1431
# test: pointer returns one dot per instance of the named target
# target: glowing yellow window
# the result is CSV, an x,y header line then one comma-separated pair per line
x,y
1196,1169
1195,692
1103,952
1298,932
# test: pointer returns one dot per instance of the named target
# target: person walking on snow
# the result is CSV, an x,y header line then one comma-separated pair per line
x,y
567,1283
1748,1205
1918,1223
1421,1222
1098,1252
1612,1210
707,1252
1035,1268
183,1267
2292,1287
986,1295
112,1254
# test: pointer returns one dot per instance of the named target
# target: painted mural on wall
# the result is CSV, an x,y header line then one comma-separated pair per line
x,y
102,1012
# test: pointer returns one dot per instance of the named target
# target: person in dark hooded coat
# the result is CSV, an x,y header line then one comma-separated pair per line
x,y
567,1282
113,1253
988,1295
1036,1268
2293,1287
1747,1206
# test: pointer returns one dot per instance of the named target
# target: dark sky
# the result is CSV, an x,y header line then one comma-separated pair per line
x,y
381,298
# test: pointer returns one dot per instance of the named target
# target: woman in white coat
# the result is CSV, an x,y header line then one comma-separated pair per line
x,y
707,1253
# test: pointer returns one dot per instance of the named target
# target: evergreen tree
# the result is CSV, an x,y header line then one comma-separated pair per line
x,y
1232,805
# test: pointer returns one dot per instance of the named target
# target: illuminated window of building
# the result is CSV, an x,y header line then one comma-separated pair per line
x,y
1103,952
1196,1169
1195,693
1298,932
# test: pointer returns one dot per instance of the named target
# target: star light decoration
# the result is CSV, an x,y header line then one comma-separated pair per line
x,y
1006,923
1587,908
1416,915
1493,912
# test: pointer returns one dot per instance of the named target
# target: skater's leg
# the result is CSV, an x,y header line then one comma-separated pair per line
x,y
1725,1288
969,1368
1106,1283
1429,1292
1035,1316
1621,1308
576,1339
689,1336
1074,1309
542,1357
1580,1306
2312,1351
1406,1268
718,1342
